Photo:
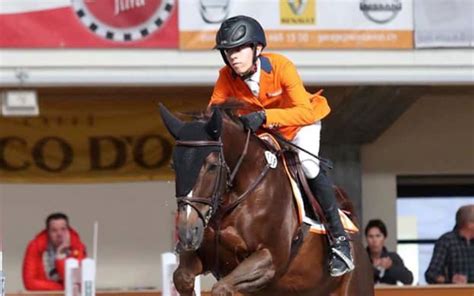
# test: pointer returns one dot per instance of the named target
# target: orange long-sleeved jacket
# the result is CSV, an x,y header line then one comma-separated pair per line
x,y
34,274
287,104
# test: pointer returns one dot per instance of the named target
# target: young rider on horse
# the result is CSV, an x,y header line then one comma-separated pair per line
x,y
271,83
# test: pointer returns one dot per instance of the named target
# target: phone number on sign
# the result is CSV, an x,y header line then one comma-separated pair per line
x,y
288,37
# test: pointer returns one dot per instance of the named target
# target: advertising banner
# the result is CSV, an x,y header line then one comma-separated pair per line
x,y
304,24
444,23
88,23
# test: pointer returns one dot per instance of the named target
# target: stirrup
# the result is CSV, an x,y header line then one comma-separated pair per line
x,y
349,264
339,273
347,260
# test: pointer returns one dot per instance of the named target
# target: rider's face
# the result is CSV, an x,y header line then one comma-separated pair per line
x,y
240,58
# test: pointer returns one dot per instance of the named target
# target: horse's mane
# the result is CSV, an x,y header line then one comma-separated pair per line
x,y
231,105
228,109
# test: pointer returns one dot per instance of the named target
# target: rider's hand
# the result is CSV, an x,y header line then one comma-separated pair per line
x,y
253,121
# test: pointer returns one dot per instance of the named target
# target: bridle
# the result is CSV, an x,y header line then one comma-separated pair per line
x,y
223,183
219,185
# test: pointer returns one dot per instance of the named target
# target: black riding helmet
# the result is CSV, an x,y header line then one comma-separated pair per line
x,y
237,31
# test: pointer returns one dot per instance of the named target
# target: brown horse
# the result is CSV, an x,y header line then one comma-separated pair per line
x,y
237,219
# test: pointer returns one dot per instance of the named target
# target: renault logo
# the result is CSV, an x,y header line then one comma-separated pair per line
x,y
298,6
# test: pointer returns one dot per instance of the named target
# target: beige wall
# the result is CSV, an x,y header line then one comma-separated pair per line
x,y
435,136
134,227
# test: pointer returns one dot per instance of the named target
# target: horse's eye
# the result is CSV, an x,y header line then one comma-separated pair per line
x,y
212,167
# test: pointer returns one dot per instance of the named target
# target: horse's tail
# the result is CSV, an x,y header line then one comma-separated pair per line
x,y
345,203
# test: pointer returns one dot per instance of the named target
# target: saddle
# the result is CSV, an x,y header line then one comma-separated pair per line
x,y
310,211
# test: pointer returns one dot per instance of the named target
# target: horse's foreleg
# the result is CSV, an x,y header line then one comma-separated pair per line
x,y
189,267
251,275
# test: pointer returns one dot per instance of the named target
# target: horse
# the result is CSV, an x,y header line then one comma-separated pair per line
x,y
237,218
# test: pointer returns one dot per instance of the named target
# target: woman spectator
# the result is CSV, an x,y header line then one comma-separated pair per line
x,y
388,266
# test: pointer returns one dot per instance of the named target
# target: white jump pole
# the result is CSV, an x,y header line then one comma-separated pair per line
x,y
169,263
89,266
2,275
71,277
95,241
79,279
88,277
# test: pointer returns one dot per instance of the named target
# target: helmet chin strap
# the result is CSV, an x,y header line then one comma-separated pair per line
x,y
252,69
250,72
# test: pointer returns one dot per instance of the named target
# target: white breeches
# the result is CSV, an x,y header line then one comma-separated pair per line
x,y
308,138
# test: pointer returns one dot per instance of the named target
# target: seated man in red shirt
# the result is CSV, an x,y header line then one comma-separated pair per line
x,y
44,262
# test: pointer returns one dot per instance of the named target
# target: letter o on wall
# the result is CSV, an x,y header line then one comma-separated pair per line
x,y
39,154
139,155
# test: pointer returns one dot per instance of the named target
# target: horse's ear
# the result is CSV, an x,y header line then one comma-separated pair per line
x,y
172,123
214,125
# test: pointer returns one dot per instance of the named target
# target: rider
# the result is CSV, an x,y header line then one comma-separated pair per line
x,y
271,83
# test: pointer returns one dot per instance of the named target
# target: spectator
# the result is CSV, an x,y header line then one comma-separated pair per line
x,y
388,266
453,255
43,265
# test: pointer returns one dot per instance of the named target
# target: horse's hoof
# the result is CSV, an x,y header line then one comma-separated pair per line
x,y
222,289
183,282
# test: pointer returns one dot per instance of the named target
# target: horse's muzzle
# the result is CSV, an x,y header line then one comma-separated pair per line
x,y
191,235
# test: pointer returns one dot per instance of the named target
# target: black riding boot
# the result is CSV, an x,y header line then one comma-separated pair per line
x,y
341,259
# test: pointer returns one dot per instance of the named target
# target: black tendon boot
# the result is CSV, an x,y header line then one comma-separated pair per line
x,y
341,259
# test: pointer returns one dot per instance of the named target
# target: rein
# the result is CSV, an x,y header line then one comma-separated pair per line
x,y
241,158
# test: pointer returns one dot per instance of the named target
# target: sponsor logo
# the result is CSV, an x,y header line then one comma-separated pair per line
x,y
381,11
214,11
297,12
123,20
